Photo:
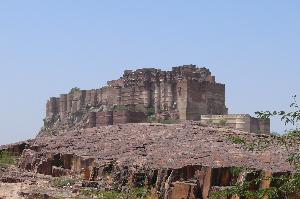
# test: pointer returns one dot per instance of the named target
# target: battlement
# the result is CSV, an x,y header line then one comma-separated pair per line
x,y
148,75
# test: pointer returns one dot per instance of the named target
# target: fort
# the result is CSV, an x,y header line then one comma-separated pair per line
x,y
185,93
112,139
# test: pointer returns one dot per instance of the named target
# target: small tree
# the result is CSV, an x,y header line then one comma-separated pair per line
x,y
222,122
74,89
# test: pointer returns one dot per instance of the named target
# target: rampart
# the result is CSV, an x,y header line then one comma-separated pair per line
x,y
185,93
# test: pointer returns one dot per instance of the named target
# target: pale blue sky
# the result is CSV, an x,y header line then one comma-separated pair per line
x,y
47,47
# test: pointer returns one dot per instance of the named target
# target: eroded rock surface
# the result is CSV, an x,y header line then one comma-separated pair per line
x,y
186,160
163,146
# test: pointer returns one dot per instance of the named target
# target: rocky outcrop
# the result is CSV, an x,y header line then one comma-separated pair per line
x,y
186,160
164,146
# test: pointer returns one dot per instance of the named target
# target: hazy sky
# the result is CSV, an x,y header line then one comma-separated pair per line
x,y
47,47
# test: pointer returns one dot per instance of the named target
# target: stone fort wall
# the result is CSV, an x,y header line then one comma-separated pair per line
x,y
242,122
97,119
186,92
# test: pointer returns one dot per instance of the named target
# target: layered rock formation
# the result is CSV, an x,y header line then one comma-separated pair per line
x,y
186,160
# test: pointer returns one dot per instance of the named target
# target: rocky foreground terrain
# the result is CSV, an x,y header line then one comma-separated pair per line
x,y
146,160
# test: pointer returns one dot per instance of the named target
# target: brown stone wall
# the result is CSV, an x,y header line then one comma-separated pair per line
x,y
104,118
182,98
264,125
78,101
109,95
134,95
205,98
157,97
215,94
113,95
122,117
69,102
92,119
243,122
91,98
93,94
167,95
52,107
63,105
258,125
186,93
163,92
102,95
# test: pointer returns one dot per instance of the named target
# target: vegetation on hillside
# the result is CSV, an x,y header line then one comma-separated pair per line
x,y
7,158
62,182
135,193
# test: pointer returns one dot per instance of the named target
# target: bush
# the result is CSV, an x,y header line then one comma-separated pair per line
x,y
140,193
222,123
150,111
151,119
135,193
7,158
62,182
58,197
169,121
119,107
74,90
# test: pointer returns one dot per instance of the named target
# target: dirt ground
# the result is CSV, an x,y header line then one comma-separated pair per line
x,y
11,190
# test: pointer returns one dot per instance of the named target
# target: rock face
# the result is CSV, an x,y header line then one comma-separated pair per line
x,y
184,93
162,146
186,160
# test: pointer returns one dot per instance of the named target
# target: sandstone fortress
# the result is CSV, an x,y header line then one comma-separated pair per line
x,y
185,160
185,93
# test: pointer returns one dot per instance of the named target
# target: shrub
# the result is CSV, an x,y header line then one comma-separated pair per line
x,y
74,90
7,158
210,122
140,193
140,108
62,182
119,107
150,111
151,119
169,121
58,197
222,122
135,193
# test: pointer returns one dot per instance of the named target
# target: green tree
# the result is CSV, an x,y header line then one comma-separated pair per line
x,y
74,89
